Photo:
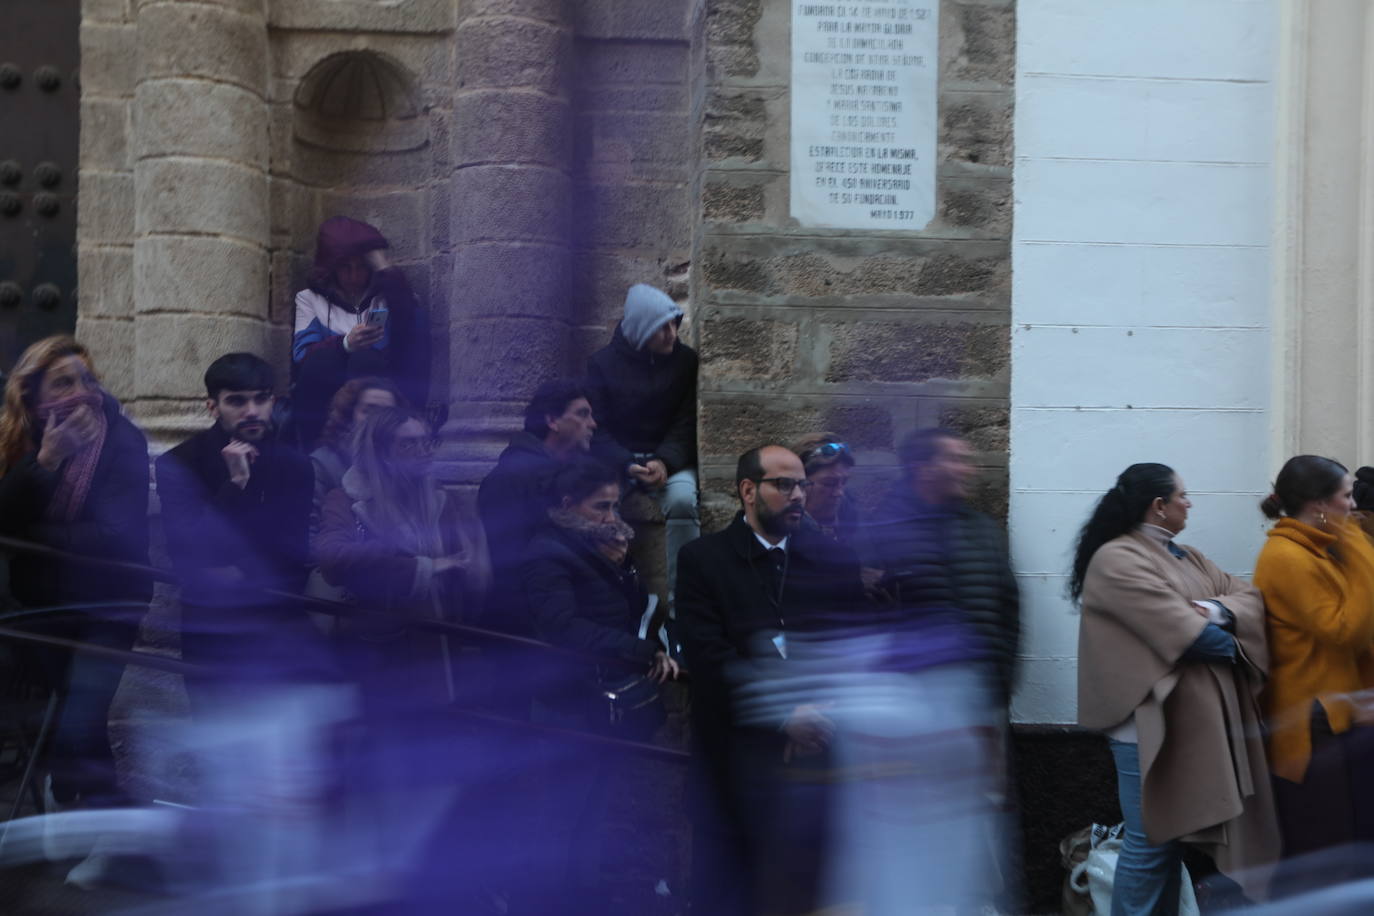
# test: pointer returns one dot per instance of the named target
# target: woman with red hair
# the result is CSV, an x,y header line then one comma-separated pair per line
x,y
74,476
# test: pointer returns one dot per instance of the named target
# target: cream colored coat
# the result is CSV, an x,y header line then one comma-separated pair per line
x,y
1204,778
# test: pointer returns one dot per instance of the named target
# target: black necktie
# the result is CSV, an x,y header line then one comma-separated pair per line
x,y
777,564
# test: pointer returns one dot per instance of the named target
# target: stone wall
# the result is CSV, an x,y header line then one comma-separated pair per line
x,y
869,334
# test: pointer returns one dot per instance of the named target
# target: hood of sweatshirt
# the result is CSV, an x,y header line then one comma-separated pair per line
x,y
646,310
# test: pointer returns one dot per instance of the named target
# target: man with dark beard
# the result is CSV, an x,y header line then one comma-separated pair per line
x,y
741,593
236,511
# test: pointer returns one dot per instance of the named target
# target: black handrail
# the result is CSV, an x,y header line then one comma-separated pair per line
x,y
334,608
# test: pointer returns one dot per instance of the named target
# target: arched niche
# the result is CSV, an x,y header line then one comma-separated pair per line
x,y
359,102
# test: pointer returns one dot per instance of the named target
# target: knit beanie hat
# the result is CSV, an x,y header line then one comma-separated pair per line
x,y
646,310
340,238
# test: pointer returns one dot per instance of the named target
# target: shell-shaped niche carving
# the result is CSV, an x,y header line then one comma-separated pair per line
x,y
359,101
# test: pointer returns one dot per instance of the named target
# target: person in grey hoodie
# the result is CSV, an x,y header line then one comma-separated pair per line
x,y
643,391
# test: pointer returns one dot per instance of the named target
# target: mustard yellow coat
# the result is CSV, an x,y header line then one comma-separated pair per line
x,y
1318,590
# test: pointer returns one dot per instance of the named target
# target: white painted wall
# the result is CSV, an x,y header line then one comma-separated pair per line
x,y
1140,304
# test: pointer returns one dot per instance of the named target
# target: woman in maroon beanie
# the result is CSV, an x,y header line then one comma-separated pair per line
x,y
356,317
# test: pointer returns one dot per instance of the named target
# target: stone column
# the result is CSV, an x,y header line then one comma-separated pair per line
x,y
201,267
510,306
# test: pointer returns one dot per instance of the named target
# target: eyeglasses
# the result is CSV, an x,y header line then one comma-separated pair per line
x,y
832,483
785,485
826,450
417,446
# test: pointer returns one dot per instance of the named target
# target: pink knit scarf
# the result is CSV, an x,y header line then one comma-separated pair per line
x,y
74,484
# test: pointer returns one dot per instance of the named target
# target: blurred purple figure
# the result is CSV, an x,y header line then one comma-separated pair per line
x,y
399,544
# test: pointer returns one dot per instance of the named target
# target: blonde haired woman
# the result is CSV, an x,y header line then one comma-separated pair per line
x,y
400,544
74,476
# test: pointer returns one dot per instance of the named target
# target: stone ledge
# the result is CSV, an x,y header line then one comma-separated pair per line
x,y
405,16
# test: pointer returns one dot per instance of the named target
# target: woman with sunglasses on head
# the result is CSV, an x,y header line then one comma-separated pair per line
x,y
1316,571
1171,660
398,543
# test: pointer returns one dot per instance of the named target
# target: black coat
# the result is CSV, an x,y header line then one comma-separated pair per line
x,y
112,524
940,560
644,404
728,610
579,600
263,529
513,502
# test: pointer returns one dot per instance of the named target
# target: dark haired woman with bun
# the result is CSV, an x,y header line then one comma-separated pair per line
x,y
1316,571
1171,660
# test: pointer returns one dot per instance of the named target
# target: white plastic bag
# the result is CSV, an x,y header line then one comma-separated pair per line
x,y
1095,875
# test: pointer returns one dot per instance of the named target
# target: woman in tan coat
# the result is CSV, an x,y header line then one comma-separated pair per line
x,y
1171,660
1317,575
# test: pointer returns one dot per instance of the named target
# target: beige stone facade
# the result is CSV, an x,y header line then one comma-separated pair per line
x,y
530,159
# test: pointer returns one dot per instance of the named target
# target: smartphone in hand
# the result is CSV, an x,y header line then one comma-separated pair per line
x,y
378,316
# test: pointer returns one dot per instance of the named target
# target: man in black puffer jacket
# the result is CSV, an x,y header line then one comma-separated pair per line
x,y
643,389
946,564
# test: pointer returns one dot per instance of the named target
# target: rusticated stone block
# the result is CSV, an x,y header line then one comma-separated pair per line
x,y
748,349
175,349
108,59
976,127
728,427
504,358
503,52
861,425
638,138
950,275
601,279
978,42
985,426
815,275
246,7
105,11
201,196
988,494
632,63
293,213
284,285
508,281
547,10
106,213
652,216
510,203
215,276
645,97
111,342
105,134
730,203
105,276
879,351
513,127
409,16
200,118
730,26
338,169
734,127
981,205
661,20
401,217
191,39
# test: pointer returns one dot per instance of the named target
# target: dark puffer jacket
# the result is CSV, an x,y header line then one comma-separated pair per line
x,y
644,404
942,561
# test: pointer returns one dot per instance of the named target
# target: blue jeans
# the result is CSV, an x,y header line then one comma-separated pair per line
x,y
677,500
1147,876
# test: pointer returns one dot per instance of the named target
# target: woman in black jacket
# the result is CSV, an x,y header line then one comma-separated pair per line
x,y
585,595
74,476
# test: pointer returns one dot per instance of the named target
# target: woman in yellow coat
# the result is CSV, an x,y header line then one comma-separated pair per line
x,y
1316,572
